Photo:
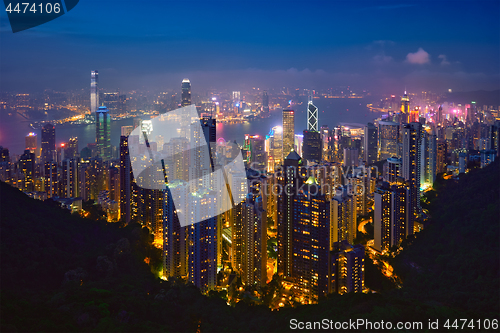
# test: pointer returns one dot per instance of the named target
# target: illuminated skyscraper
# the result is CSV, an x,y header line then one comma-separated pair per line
x,y
311,242
186,92
347,268
411,167
290,180
71,148
265,102
312,117
31,142
126,179
391,224
254,238
343,212
311,146
69,178
288,131
202,260
388,139
27,168
48,142
103,133
370,144
405,104
94,91
325,143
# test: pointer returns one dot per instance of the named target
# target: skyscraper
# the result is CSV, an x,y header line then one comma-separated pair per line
x,y
290,180
31,142
325,142
186,92
311,241
411,167
27,168
94,91
126,179
103,133
48,142
391,224
254,239
370,146
265,102
288,132
405,104
311,146
388,138
312,117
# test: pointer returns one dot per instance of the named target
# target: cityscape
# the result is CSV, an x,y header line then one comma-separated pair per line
x,y
341,188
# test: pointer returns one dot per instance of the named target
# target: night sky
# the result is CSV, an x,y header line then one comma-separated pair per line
x,y
380,46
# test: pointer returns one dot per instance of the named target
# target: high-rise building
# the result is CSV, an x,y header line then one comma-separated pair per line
x,y
411,166
31,142
71,148
370,144
94,91
202,260
48,143
405,104
103,133
311,146
186,92
258,155
27,168
388,139
112,102
312,117
288,132
265,102
347,268
325,142
351,157
343,212
311,242
290,180
51,179
69,178
254,239
428,152
392,169
391,223
126,179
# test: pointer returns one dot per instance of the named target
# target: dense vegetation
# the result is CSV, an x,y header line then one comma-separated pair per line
x,y
61,272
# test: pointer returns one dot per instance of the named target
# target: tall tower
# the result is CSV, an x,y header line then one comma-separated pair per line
x,y
186,92
411,167
370,146
312,116
311,241
103,133
31,142
265,102
289,179
94,91
48,142
311,146
288,132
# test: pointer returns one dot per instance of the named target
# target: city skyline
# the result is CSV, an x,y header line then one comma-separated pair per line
x,y
226,160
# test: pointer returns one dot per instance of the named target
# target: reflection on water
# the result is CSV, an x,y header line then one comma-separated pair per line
x,y
332,112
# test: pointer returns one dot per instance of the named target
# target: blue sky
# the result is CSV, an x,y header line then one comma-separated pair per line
x,y
379,46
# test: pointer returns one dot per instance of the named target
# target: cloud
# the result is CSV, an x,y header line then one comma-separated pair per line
x,y
382,59
420,57
444,61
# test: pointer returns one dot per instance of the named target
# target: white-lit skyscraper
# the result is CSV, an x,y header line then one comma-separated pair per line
x,y
94,91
